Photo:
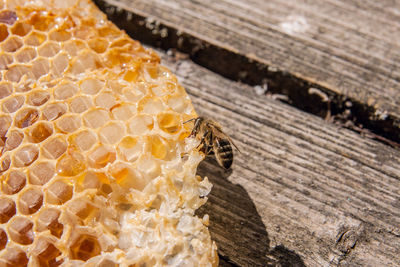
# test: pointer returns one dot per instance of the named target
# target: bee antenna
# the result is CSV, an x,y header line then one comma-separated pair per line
x,y
189,120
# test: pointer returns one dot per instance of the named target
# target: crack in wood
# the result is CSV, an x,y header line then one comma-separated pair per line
x,y
339,109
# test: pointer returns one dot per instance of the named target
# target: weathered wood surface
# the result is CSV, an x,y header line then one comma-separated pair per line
x,y
302,192
348,49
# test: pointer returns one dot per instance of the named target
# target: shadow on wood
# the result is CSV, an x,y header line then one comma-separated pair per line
x,y
236,226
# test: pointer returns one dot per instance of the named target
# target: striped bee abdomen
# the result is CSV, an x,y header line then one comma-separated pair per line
x,y
223,152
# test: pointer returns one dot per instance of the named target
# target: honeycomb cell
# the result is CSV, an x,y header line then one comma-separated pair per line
x,y
41,172
40,67
5,163
80,104
8,17
105,100
151,105
81,208
74,46
96,118
14,257
54,148
3,32
25,156
112,133
159,148
42,21
84,140
127,177
7,209
3,239
69,124
26,117
5,61
38,98
169,123
101,156
14,139
21,29
53,111
70,164
35,39
5,123
5,90
12,104
85,247
46,252
94,180
14,182
129,149
49,49
91,86
178,103
20,230
58,193
141,125
48,220
65,91
60,35
148,166
123,112
40,132
85,61
12,44
26,55
99,45
59,64
16,72
30,201
132,95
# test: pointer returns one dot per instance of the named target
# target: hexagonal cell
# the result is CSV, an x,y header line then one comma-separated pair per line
x,y
129,149
101,156
26,117
48,220
42,21
80,104
159,147
12,104
40,132
86,60
91,86
3,32
60,35
30,201
7,209
74,46
12,44
65,91
94,180
59,64
7,16
6,89
14,139
105,100
96,118
49,49
38,98
21,28
3,239
141,124
5,60
151,105
99,45
112,133
71,163
54,147
84,140
25,156
53,111
85,247
59,192
35,39
69,124
14,182
5,124
81,208
128,177
46,252
20,230
178,103
41,172
169,123
26,54
123,112
40,67
14,257
5,163
15,73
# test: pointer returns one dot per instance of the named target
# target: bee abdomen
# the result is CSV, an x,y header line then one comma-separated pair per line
x,y
223,153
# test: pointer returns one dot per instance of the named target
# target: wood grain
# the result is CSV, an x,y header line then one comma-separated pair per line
x,y
302,192
350,50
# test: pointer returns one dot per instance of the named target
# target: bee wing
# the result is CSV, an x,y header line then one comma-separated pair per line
x,y
218,132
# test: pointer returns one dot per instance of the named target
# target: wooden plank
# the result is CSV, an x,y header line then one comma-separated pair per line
x,y
303,192
347,49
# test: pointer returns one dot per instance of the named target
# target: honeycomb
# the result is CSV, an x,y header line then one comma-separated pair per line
x,y
95,165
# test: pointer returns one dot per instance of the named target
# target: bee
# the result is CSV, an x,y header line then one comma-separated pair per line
x,y
213,140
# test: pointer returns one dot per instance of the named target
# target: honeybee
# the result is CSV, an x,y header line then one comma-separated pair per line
x,y
213,139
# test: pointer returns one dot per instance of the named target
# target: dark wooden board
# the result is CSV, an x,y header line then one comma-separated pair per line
x,y
349,50
303,192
